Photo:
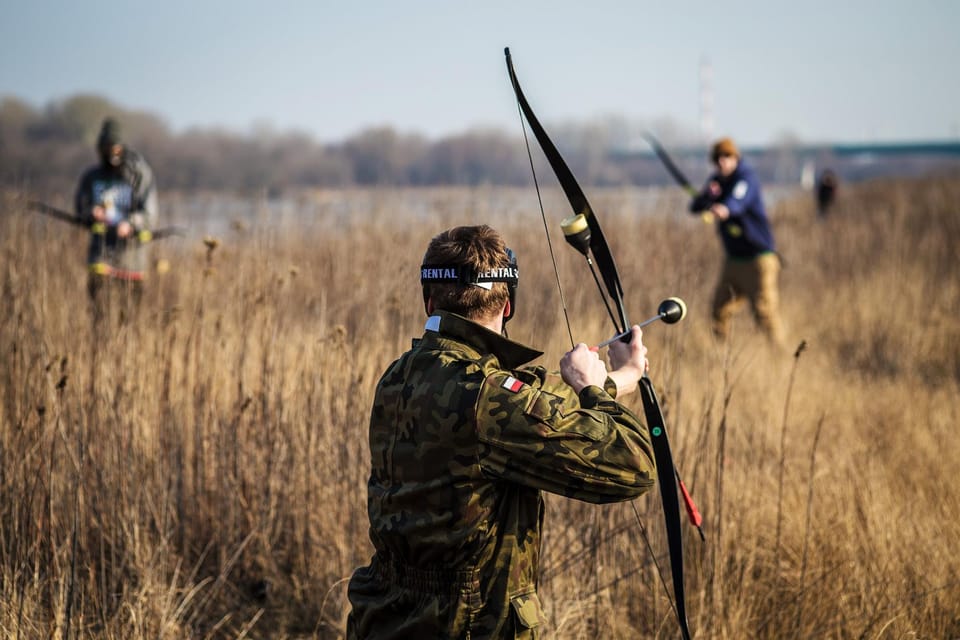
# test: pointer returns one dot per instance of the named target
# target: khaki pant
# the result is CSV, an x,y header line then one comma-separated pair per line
x,y
754,280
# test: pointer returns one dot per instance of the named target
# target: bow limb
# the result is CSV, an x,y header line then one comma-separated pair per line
x,y
667,472
578,201
655,423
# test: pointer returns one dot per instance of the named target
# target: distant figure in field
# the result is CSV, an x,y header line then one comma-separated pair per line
x,y
464,435
751,267
118,199
826,192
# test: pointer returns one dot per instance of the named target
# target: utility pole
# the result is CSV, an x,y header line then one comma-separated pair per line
x,y
706,101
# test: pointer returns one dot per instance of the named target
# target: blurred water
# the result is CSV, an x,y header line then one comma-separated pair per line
x,y
225,215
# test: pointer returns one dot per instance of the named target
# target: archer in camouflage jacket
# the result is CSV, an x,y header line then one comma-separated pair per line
x,y
463,438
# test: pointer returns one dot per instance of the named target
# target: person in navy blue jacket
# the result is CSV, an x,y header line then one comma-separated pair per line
x,y
751,269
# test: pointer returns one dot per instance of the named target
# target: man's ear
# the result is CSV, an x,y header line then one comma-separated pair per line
x,y
428,306
507,309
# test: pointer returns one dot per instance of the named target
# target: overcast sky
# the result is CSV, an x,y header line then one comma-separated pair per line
x,y
824,71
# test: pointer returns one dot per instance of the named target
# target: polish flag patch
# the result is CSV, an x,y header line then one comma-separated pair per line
x,y
512,384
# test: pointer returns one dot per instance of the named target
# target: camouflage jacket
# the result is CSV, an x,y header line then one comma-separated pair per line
x,y
462,441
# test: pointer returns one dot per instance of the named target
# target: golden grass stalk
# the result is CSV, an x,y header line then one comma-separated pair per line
x,y
223,429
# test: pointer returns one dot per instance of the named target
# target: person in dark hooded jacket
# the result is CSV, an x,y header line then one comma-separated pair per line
x,y
751,268
826,193
118,199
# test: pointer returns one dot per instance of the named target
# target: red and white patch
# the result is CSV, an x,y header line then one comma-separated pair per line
x,y
512,384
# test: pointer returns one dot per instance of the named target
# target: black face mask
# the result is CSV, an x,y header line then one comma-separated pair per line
x,y
108,158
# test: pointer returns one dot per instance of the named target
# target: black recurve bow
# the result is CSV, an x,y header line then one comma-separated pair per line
x,y
670,165
675,171
603,258
66,216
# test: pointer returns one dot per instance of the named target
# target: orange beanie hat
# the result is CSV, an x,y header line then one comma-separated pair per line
x,y
724,147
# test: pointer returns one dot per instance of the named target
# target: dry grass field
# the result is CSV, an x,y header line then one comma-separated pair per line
x,y
199,471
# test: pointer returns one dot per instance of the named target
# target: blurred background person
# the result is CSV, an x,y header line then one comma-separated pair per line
x,y
118,199
826,192
751,268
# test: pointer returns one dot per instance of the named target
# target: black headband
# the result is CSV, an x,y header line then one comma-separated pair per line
x,y
465,275
457,274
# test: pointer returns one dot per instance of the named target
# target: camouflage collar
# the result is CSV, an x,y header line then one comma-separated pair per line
x,y
449,325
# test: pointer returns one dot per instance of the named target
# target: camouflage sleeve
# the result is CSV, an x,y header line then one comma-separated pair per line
x,y
537,432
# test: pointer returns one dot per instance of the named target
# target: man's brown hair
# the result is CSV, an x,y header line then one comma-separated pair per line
x,y
481,248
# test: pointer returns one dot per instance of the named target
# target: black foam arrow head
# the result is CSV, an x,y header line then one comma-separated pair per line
x,y
672,310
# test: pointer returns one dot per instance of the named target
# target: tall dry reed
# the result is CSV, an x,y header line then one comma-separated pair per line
x,y
199,470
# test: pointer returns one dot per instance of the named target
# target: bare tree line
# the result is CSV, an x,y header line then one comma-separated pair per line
x,y
46,149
